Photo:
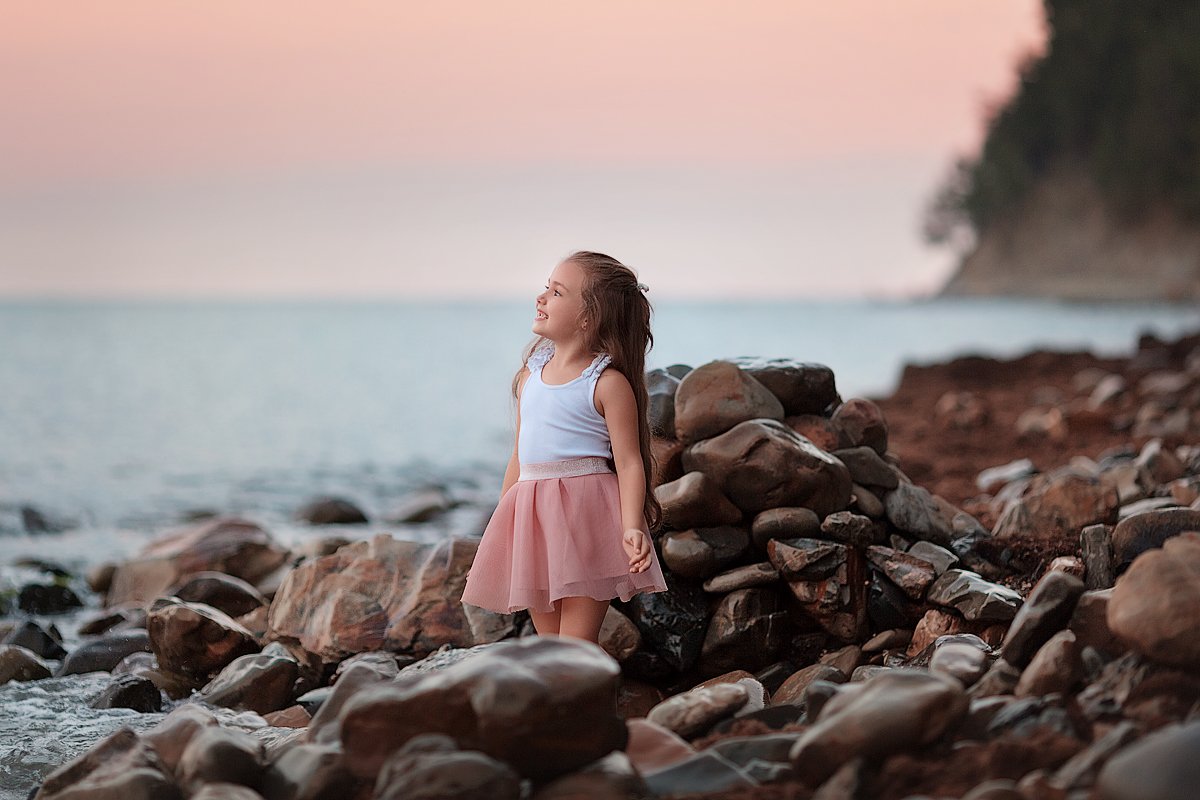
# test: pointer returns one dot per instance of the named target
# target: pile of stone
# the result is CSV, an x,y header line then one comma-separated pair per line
x,y
830,630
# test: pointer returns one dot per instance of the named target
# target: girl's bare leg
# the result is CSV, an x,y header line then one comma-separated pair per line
x,y
547,621
582,617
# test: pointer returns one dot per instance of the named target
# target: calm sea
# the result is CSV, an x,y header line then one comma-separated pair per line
x,y
123,417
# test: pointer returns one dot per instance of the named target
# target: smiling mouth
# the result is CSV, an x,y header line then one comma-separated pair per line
x,y
540,315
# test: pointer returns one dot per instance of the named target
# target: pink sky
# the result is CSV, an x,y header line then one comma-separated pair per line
x,y
109,97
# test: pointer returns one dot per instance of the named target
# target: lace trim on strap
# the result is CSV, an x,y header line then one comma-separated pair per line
x,y
598,364
541,354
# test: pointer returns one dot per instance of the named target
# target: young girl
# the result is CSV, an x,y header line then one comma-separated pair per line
x,y
572,528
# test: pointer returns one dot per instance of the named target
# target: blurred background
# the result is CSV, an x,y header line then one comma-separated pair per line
x,y
256,253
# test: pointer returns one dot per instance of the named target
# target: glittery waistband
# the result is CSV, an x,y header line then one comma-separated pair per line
x,y
569,468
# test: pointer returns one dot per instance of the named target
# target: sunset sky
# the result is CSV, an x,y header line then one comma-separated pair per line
x,y
379,149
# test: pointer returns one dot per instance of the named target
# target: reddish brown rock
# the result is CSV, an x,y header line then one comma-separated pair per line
x,y
1055,507
668,465
1138,533
1055,668
806,559
817,429
716,396
383,594
702,552
761,464
1155,605
544,704
695,501
933,624
229,545
746,631
120,765
619,637
838,603
910,573
257,682
784,523
862,423
194,639
695,711
791,691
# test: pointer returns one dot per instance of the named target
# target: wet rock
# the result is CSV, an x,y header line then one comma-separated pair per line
x,y
862,423
39,641
610,778
1155,605
330,511
668,464
660,388
695,501
1162,766
257,682
232,595
1055,507
383,594
635,698
1149,530
761,464
867,502
309,772
849,528
838,603
976,599
130,691
120,765
894,711
673,622
619,637
545,705
888,606
702,552
806,559
194,639
229,545
47,598
819,430
868,468
324,726
1054,669
715,397
784,523
961,661
290,717
693,712
934,624
704,772
913,509
221,755
653,747
746,577
19,663
1000,679
746,631
794,689
941,558
420,505
802,388
431,767
1047,610
103,654
910,573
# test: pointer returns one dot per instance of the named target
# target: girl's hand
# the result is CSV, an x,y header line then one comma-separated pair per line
x,y
637,546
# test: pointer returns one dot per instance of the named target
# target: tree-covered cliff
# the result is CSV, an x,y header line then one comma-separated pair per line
x,y
1111,108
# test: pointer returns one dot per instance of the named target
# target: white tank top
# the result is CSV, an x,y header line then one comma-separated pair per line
x,y
561,421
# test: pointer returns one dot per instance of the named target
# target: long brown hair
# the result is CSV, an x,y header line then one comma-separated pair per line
x,y
618,314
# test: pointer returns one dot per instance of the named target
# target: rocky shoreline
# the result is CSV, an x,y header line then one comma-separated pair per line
x,y
984,586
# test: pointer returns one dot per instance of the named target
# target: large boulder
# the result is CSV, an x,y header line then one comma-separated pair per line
x,y
714,397
801,388
762,463
546,705
1155,605
229,545
1055,507
383,594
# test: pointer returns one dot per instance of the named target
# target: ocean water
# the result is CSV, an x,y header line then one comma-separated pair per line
x,y
119,419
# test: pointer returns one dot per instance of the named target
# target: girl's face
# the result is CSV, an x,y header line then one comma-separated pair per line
x,y
559,311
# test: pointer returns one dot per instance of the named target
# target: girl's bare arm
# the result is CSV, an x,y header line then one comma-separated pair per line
x,y
615,402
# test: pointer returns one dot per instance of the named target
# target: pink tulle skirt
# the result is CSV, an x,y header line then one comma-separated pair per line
x,y
554,537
